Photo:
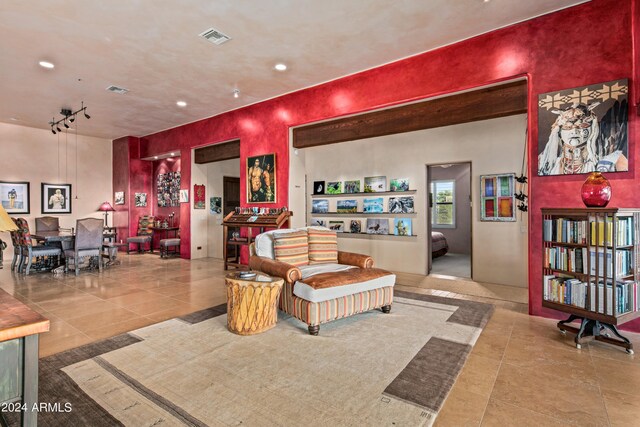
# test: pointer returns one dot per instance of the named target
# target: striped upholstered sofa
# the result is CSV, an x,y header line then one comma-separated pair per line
x,y
321,284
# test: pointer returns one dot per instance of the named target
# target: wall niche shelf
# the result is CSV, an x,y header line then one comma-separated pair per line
x,y
381,193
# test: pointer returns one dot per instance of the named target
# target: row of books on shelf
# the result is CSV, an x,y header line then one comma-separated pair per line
x,y
575,260
572,291
564,230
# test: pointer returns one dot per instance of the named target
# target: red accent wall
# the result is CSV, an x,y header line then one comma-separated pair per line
x,y
585,44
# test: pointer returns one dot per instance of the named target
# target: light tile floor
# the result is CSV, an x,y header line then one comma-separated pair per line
x,y
521,371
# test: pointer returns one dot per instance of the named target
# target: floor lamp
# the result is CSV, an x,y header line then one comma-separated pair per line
x,y
6,224
106,208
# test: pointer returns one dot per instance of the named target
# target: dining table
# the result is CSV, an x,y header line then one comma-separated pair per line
x,y
65,238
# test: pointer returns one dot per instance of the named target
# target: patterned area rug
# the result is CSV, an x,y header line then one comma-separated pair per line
x,y
369,369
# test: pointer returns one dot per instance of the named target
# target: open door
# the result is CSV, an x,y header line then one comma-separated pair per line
x,y
449,219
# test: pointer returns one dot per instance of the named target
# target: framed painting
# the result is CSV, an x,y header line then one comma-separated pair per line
x,y
141,200
15,197
261,178
497,197
199,196
56,198
118,197
584,129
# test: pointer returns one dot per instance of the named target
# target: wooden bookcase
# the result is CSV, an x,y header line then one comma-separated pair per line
x,y
591,266
248,221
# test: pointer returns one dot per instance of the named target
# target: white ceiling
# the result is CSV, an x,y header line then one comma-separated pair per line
x,y
152,48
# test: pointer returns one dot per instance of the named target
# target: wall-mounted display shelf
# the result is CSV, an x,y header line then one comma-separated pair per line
x,y
370,194
591,267
371,235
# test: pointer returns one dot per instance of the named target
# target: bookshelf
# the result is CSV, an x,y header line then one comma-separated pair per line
x,y
591,266
248,221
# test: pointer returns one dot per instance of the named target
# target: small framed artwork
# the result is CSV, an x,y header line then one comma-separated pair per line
x,y
315,222
215,205
497,197
320,206
373,205
401,204
402,226
375,184
14,197
334,187
351,187
141,200
184,196
347,206
118,198
318,187
261,178
356,226
198,196
56,198
399,184
377,226
337,226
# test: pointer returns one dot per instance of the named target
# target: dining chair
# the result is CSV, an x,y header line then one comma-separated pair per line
x,y
47,257
17,250
88,243
47,223
144,234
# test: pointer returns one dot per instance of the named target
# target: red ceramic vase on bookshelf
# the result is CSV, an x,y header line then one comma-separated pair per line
x,y
596,191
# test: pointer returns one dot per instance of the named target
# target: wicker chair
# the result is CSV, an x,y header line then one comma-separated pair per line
x,y
47,257
88,243
144,235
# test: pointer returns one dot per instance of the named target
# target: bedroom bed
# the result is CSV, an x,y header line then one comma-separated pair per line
x,y
439,245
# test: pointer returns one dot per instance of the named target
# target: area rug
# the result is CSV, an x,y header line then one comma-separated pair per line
x,y
368,369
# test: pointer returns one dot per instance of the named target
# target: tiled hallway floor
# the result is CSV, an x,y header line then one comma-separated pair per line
x,y
521,372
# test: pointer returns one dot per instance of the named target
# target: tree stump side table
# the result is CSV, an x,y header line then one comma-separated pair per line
x,y
252,304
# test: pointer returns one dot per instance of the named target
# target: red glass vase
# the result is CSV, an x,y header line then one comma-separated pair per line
x,y
596,191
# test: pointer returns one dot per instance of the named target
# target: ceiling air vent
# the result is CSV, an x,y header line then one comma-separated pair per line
x,y
215,36
116,89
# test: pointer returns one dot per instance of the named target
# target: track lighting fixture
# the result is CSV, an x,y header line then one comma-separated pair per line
x,y
236,93
69,116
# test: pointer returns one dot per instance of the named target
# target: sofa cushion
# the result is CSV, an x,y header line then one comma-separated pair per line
x,y
313,269
323,245
337,284
264,244
292,247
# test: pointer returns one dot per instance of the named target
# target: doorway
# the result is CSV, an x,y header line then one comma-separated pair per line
x,y
449,219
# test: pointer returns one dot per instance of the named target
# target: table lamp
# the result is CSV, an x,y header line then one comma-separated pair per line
x,y
106,208
6,224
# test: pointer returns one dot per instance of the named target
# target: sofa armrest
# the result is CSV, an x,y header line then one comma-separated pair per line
x,y
358,260
271,267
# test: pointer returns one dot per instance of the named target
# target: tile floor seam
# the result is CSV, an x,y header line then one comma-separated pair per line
x,y
504,352
604,401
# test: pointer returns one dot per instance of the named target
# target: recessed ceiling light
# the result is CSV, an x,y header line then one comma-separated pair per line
x,y
236,93
280,67
14,119
181,104
45,64
155,157
173,154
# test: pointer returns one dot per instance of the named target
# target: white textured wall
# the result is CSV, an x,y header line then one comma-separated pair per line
x,y
206,229
492,146
215,172
30,154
